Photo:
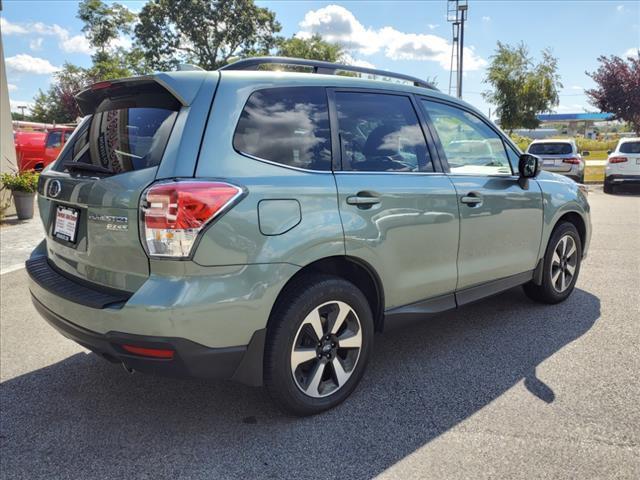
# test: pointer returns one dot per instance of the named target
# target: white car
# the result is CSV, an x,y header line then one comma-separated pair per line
x,y
623,165
560,156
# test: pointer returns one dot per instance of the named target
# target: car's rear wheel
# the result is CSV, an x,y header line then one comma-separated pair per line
x,y
318,344
561,266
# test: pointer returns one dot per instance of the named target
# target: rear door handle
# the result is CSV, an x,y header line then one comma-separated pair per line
x,y
472,199
363,200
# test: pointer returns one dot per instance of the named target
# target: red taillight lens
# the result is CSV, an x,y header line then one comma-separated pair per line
x,y
174,213
149,352
617,159
572,161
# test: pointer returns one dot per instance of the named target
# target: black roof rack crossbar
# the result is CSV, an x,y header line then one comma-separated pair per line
x,y
319,66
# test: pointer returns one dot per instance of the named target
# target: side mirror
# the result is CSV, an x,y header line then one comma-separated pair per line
x,y
528,167
585,153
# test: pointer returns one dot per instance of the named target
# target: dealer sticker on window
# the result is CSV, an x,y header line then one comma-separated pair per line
x,y
66,224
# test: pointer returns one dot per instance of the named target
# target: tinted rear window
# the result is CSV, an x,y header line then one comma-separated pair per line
x,y
630,147
550,149
122,140
288,126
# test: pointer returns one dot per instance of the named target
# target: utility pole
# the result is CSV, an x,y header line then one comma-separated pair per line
x,y
22,109
457,15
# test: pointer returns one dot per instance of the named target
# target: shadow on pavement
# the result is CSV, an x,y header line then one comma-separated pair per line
x,y
86,418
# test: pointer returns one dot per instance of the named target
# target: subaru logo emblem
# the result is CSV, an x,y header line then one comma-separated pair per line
x,y
55,187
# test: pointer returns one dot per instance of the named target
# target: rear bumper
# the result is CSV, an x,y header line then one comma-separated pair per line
x,y
189,360
617,179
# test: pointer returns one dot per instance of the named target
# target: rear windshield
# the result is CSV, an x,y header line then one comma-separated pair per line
x,y
630,147
550,148
121,140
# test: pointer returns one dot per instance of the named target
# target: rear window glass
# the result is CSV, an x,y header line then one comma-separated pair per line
x,y
630,147
550,149
289,126
122,140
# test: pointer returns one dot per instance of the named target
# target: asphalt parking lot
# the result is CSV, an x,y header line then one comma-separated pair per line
x,y
503,388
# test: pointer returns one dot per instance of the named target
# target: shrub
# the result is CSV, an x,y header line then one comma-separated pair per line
x,y
20,181
522,142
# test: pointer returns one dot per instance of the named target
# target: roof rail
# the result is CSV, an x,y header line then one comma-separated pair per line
x,y
322,67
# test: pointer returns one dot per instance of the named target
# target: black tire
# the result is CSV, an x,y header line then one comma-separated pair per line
x,y
608,188
548,291
285,328
581,178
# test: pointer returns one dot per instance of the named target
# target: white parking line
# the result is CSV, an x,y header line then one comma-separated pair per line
x,y
12,268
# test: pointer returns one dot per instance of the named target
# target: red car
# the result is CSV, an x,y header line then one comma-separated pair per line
x,y
36,150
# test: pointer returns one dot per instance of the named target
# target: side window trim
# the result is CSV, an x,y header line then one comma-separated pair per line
x,y
441,153
335,130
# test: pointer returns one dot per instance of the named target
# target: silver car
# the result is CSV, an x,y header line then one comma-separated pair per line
x,y
560,156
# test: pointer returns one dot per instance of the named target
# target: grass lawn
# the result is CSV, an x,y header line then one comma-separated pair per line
x,y
594,173
598,155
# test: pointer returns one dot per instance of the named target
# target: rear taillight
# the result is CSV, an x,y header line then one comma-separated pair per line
x,y
617,159
149,352
174,213
572,160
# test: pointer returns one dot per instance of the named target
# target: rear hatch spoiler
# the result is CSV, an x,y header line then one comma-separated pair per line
x,y
183,87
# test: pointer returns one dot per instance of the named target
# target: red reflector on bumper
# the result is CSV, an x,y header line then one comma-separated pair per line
x,y
149,352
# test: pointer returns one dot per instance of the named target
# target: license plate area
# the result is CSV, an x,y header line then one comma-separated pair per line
x,y
65,227
548,163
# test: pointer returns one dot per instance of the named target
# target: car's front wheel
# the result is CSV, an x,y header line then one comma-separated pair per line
x,y
318,343
561,266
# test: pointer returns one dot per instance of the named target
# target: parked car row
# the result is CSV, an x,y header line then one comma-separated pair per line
x,y
623,165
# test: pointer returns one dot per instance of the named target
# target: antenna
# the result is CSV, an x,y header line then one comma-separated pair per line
x,y
457,15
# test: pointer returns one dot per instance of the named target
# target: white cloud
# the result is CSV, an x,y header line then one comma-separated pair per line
x,y
28,64
570,108
9,28
486,19
36,43
14,104
12,87
433,26
76,44
337,24
632,52
620,8
349,60
576,87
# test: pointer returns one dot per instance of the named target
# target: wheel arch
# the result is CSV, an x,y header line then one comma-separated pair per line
x,y
352,269
576,219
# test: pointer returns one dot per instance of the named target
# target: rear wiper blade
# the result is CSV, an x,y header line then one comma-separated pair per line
x,y
87,167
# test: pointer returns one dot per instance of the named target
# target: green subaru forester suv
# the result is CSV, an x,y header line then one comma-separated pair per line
x,y
260,225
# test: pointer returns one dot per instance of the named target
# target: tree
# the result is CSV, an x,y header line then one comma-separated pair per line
x,y
203,32
58,103
521,90
618,88
314,48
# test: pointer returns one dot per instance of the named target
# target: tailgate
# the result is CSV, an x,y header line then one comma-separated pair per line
x,y
135,131
555,164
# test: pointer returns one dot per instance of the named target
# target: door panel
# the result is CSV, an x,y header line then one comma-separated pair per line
x,y
410,235
500,235
500,222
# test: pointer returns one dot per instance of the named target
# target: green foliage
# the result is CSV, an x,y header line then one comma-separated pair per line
x,y
104,23
595,145
58,104
521,141
206,33
314,48
520,89
20,181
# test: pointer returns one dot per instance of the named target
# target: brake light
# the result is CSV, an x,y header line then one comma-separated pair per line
x,y
572,160
100,85
149,352
174,213
617,159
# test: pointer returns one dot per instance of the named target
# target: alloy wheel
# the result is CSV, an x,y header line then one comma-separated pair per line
x,y
564,263
326,349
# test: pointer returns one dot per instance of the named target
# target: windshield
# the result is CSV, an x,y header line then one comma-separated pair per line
x,y
630,147
560,148
122,140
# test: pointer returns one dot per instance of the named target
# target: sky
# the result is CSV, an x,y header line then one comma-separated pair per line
x,y
408,37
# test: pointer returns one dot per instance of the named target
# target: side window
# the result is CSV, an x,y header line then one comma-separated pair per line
x,y
54,139
469,144
380,133
288,126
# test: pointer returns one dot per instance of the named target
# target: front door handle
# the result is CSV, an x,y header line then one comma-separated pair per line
x,y
363,200
472,199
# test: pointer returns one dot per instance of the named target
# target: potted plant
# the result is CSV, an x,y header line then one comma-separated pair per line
x,y
23,186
